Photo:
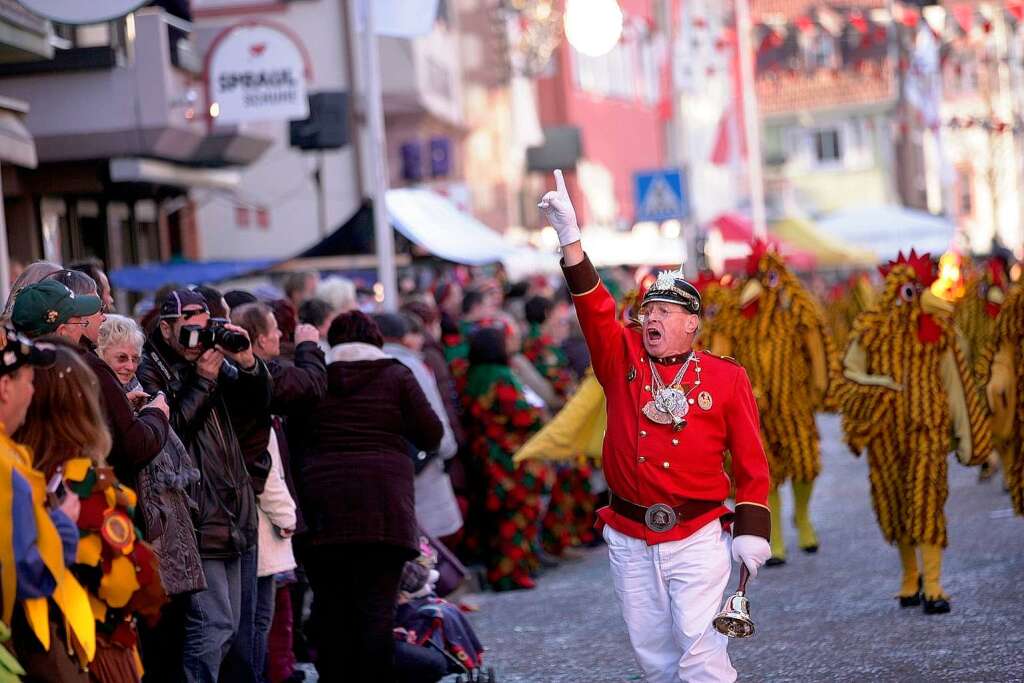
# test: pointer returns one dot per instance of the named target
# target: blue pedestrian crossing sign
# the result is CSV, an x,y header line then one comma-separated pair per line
x,y
660,195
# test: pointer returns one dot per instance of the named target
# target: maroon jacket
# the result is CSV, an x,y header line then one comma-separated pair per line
x,y
355,477
136,439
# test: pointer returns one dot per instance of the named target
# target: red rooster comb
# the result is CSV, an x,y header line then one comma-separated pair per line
x,y
997,271
758,249
705,278
922,265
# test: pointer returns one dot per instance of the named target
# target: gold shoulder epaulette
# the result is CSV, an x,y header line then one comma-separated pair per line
x,y
725,358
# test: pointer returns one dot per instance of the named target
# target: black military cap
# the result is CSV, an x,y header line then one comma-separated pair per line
x,y
671,287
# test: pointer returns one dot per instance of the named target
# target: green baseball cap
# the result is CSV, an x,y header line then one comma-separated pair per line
x,y
43,307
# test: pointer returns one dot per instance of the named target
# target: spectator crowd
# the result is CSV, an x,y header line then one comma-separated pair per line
x,y
231,483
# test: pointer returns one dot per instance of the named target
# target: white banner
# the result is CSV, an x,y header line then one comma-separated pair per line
x,y
256,72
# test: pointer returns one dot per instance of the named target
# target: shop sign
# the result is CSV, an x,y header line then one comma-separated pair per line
x,y
256,72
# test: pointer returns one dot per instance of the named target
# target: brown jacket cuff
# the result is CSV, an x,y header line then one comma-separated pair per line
x,y
751,519
582,278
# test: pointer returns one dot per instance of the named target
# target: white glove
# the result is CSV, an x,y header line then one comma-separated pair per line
x,y
557,209
752,551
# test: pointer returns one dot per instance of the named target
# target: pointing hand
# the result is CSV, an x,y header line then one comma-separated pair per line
x,y
557,209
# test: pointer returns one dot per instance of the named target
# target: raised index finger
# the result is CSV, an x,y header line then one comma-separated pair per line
x,y
560,182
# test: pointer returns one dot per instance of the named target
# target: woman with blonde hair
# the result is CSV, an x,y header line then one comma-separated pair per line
x,y
69,440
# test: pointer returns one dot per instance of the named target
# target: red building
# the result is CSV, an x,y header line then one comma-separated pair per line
x,y
616,105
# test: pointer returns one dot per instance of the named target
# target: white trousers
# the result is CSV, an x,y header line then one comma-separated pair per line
x,y
669,594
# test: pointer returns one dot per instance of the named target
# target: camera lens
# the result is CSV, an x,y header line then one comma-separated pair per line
x,y
230,341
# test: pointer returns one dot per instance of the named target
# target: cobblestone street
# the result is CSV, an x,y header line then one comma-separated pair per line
x,y
825,617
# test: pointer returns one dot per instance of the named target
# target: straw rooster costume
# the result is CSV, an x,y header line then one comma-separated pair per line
x,y
783,344
1003,371
909,389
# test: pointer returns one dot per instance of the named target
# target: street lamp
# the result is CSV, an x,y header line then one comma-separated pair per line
x,y
593,27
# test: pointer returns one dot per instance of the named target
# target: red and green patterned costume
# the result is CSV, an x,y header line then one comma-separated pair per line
x,y
456,352
505,517
571,513
549,359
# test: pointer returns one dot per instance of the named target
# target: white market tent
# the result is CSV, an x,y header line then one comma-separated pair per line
x,y
434,223
887,230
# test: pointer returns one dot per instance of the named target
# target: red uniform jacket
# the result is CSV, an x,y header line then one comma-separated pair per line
x,y
647,463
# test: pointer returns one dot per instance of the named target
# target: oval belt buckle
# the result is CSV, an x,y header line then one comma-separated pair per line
x,y
660,517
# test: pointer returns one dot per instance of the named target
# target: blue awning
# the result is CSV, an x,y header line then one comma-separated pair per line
x,y
153,276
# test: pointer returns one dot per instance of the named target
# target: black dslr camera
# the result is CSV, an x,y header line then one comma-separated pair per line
x,y
214,334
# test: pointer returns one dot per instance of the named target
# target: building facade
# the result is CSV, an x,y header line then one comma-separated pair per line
x,y
613,109
117,118
827,93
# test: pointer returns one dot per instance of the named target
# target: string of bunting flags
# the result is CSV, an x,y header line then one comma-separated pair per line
x,y
834,38
988,124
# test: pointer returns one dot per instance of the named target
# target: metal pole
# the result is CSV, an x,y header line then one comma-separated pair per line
x,y
383,236
751,118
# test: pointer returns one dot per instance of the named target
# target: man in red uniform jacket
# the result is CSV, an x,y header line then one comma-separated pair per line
x,y
672,413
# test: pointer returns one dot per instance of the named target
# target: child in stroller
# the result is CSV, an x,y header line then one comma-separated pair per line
x,y
433,637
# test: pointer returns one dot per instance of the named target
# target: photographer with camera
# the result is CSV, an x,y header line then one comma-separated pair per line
x,y
209,373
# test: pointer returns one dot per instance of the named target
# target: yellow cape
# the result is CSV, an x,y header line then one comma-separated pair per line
x,y
577,429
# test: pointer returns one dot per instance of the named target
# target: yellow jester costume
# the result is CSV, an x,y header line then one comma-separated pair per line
x,y
783,344
1003,369
909,389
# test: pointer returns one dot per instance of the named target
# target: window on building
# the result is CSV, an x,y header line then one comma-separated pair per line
x,y
773,145
444,13
146,236
820,52
629,71
965,192
827,146
91,225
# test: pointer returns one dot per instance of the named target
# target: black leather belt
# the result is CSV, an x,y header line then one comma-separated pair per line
x,y
661,517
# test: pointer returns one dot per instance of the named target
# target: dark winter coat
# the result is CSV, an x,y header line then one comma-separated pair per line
x,y
298,386
355,478
226,520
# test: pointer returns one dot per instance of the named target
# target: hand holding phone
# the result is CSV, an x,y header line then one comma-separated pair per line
x,y
55,490
137,398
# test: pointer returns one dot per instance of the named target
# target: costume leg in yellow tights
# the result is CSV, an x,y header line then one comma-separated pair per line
x,y
910,586
802,516
935,599
778,542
